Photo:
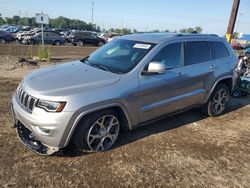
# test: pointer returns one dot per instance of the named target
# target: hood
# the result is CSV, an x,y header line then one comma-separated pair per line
x,y
66,79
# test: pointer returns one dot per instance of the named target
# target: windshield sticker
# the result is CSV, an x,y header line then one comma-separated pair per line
x,y
142,46
110,51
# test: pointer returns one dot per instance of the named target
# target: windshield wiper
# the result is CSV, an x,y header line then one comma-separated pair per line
x,y
100,66
103,67
83,60
91,63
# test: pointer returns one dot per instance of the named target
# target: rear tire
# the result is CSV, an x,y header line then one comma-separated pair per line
x,y
3,41
100,44
57,43
80,43
217,102
32,42
98,131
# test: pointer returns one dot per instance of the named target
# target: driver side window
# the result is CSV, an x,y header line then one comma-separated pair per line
x,y
171,55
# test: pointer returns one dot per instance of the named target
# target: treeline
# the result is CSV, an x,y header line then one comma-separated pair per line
x,y
67,23
60,23
197,29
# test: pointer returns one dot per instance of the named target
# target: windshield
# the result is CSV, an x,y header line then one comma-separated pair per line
x,y
119,56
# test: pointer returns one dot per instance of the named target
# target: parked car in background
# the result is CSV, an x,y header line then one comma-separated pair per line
x,y
26,34
21,35
6,37
22,30
80,38
108,37
11,29
111,36
65,35
49,38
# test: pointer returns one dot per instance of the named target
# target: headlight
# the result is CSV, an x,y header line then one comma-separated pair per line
x,y
50,106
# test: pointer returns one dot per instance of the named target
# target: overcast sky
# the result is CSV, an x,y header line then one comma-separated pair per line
x,y
144,15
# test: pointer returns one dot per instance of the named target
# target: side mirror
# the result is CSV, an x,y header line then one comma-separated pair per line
x,y
155,68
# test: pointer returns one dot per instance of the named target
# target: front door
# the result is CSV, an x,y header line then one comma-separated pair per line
x,y
164,93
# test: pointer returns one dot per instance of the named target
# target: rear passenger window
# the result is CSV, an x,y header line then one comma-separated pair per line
x,y
197,52
171,55
219,50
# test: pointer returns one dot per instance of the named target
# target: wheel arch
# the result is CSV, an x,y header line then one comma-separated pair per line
x,y
4,39
82,40
123,115
33,42
227,80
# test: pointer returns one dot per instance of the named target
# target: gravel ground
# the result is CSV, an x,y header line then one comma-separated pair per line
x,y
186,150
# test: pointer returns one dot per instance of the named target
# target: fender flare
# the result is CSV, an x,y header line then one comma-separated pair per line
x,y
79,114
216,83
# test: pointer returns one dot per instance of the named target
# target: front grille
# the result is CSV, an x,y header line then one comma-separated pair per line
x,y
27,102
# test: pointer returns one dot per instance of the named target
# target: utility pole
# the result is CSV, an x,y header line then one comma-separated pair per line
x,y
42,32
19,13
92,17
232,20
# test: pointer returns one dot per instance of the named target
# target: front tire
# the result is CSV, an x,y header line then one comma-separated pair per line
x,y
3,41
217,102
98,132
57,43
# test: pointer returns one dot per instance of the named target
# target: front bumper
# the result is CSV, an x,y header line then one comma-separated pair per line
x,y
31,142
44,127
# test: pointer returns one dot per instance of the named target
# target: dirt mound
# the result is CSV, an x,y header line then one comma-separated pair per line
x,y
17,67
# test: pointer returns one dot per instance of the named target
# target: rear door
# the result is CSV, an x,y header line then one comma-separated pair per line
x,y
51,38
224,62
199,69
92,39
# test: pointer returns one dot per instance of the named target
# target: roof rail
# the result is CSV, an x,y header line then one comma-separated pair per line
x,y
194,34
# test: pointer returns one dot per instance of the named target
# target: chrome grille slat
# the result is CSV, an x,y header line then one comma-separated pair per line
x,y
26,98
27,102
22,97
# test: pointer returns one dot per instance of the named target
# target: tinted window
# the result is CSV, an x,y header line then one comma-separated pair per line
x,y
78,34
196,52
45,34
93,36
219,50
171,56
52,34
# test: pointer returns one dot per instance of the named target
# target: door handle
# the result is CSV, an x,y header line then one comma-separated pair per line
x,y
179,74
212,66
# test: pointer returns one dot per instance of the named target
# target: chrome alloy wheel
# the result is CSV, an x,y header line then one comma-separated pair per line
x,y
220,100
103,133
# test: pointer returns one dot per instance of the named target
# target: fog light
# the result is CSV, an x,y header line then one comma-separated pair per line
x,y
43,131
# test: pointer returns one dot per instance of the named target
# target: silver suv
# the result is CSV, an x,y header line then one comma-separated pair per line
x,y
128,82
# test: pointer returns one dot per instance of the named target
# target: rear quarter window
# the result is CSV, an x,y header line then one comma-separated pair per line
x,y
219,50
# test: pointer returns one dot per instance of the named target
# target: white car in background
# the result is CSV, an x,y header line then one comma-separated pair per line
x,y
108,37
